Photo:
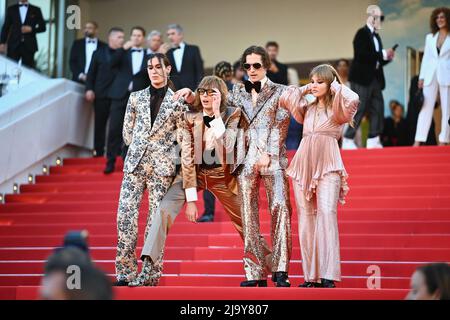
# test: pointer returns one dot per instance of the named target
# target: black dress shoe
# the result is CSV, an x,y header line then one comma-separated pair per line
x,y
281,279
308,284
328,283
109,167
206,218
120,283
254,283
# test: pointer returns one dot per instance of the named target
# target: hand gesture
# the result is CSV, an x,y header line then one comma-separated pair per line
x,y
26,29
164,48
263,162
390,53
217,97
184,93
127,45
191,211
334,85
89,96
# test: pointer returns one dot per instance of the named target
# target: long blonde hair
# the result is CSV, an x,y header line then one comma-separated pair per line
x,y
327,73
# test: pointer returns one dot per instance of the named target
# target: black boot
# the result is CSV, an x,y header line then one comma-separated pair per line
x,y
120,283
206,218
281,279
254,283
328,283
308,284
110,164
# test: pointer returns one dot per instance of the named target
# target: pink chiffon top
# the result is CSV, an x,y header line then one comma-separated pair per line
x,y
318,153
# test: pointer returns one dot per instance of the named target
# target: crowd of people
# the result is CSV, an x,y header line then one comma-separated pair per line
x,y
180,132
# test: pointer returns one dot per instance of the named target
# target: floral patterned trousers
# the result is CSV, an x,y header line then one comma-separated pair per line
x,y
132,190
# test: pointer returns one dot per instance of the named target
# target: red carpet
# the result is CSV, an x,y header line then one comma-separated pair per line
x,y
397,217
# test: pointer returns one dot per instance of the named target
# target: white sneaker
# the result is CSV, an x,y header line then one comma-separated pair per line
x,y
374,143
348,144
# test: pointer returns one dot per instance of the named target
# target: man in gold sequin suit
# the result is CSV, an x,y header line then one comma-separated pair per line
x,y
261,155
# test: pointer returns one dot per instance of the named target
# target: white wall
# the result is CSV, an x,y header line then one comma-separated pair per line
x,y
42,117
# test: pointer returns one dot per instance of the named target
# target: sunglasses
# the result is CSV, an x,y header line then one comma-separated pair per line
x,y
381,18
209,92
256,66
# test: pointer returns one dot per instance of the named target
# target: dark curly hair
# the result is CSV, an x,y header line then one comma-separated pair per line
x,y
433,25
259,51
223,70
437,278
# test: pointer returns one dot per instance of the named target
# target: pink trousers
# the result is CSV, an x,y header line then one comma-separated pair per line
x,y
318,230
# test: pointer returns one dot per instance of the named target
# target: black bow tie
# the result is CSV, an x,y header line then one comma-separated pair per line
x,y
176,48
157,92
23,5
136,50
249,86
91,41
207,120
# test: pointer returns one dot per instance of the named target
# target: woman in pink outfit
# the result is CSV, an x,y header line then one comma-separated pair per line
x,y
317,170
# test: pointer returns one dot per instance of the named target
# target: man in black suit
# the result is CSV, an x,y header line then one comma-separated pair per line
x,y
131,64
278,72
186,60
99,79
367,78
22,22
82,51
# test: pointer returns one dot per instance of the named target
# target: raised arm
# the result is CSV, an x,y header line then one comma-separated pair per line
x,y
128,122
345,103
293,99
186,141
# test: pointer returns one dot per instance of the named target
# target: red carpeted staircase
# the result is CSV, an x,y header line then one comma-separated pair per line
x,y
397,217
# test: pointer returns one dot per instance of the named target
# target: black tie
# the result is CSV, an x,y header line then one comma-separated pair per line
x,y
91,41
23,5
136,50
207,120
249,86
157,92
176,48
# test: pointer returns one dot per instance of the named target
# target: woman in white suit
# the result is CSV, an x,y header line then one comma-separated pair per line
x,y
434,77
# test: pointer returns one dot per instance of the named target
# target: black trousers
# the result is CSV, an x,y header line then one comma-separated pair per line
x,y
26,55
115,145
102,108
210,202
371,100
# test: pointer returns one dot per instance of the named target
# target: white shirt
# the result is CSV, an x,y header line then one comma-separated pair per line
x,y
150,51
178,56
90,48
23,12
136,60
216,132
377,44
